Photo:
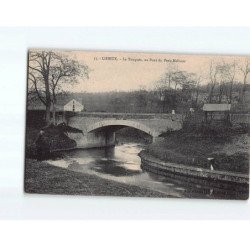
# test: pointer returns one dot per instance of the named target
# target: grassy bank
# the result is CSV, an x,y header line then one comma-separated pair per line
x,y
43,178
229,147
55,138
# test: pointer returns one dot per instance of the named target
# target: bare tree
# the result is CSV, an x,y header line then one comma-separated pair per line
x,y
221,80
49,72
188,86
198,79
175,86
213,74
245,69
230,72
226,75
166,79
179,77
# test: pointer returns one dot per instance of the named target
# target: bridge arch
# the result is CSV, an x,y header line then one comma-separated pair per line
x,y
117,124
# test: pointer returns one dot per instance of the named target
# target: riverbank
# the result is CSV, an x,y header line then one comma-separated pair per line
x,y
215,184
192,147
154,165
43,178
55,137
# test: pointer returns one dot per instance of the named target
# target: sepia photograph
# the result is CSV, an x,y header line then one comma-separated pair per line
x,y
137,124
124,124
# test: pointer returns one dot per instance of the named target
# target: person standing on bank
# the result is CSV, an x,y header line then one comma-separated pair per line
x,y
42,149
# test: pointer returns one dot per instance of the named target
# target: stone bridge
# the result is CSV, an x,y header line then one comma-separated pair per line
x,y
99,128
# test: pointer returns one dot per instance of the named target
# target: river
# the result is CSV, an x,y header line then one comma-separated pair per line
x,y
122,164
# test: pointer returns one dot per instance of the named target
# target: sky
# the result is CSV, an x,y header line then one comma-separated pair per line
x,y
126,71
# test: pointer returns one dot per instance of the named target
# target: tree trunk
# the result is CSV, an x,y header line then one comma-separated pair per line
x,y
243,90
243,101
211,93
197,97
48,102
231,93
220,94
53,114
48,113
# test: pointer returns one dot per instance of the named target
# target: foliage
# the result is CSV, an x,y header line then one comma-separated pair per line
x,y
49,72
194,146
220,84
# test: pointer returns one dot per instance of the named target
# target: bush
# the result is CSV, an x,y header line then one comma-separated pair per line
x,y
54,136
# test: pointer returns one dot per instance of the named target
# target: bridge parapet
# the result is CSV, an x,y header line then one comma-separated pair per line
x,y
154,126
97,128
127,116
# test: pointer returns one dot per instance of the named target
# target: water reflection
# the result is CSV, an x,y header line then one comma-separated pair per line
x,y
123,164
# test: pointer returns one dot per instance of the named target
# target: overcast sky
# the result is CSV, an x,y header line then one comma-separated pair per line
x,y
129,71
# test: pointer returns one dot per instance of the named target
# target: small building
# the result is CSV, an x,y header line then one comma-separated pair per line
x,y
73,106
217,112
36,110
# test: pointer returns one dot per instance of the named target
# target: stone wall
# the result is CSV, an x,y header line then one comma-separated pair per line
x,y
160,167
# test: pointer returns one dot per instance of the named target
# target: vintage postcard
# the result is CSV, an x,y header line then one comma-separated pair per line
x,y
137,124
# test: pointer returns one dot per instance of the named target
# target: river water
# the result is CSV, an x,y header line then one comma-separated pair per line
x,y
122,164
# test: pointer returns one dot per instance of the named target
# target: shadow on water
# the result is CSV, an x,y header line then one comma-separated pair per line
x,y
123,164
114,168
203,188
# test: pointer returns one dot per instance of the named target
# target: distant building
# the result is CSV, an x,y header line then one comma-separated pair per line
x,y
36,110
217,112
73,106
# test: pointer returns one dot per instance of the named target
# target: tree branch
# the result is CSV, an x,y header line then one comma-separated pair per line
x,y
34,80
35,69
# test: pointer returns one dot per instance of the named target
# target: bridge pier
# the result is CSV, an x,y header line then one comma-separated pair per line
x,y
156,138
109,138
94,139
